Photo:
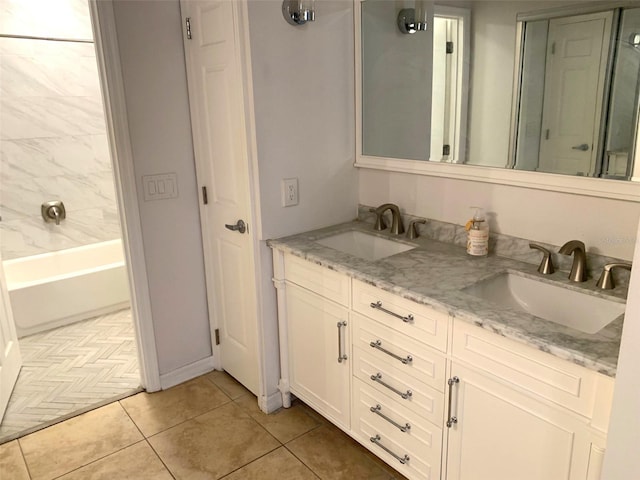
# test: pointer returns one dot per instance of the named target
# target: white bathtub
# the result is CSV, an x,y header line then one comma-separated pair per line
x,y
55,289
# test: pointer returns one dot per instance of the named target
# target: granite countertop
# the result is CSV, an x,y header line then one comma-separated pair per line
x,y
435,274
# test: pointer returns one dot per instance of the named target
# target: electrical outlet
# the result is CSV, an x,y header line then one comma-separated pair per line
x,y
289,192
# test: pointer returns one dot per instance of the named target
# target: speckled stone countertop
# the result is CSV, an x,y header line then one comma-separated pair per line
x,y
436,273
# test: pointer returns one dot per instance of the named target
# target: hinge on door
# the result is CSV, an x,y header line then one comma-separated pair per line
x,y
553,48
205,198
217,335
449,47
546,134
446,150
188,22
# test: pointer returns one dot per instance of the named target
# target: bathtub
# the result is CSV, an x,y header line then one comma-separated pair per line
x,y
59,288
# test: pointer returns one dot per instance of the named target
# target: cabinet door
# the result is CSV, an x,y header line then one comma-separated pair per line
x,y
502,434
319,356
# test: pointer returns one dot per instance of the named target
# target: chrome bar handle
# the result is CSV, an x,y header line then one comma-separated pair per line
x,y
377,410
451,419
402,460
341,355
378,378
378,306
378,345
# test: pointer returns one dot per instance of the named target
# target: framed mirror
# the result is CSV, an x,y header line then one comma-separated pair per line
x,y
489,103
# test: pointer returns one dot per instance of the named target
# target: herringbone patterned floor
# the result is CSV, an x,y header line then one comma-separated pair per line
x,y
72,369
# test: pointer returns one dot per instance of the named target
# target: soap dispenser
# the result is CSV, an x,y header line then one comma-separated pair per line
x,y
477,234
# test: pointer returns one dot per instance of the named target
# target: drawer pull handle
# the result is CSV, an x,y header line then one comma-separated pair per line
x,y
377,410
378,378
378,345
451,419
402,460
378,306
341,355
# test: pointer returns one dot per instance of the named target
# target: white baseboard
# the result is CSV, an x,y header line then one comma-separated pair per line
x,y
188,372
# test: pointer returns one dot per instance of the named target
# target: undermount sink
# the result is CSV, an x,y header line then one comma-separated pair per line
x,y
363,245
581,311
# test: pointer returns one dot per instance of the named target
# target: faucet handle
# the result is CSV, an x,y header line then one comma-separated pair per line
x,y
412,231
380,225
606,279
546,265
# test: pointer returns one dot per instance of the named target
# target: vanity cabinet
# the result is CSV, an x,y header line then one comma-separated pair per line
x,y
392,373
318,340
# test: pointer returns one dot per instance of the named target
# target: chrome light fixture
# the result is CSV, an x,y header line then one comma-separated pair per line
x,y
412,20
298,12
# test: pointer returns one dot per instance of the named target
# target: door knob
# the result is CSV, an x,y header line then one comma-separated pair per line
x,y
240,226
584,147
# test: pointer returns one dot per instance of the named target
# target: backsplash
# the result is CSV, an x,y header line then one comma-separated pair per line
x,y
505,246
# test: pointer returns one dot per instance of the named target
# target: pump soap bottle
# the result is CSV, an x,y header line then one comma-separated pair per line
x,y
477,234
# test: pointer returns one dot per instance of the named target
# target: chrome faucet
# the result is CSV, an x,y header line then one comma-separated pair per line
x,y
396,220
579,268
606,279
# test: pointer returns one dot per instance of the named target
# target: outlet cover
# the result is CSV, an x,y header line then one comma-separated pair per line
x,y
289,192
160,186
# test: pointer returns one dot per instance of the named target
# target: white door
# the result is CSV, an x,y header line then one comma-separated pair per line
x,y
577,54
10,358
214,71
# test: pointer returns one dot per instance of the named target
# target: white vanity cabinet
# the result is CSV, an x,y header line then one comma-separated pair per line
x,y
521,413
392,373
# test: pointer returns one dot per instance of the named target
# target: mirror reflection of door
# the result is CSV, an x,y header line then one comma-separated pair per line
x,y
577,52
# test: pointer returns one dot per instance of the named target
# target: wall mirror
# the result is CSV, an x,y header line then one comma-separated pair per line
x,y
546,91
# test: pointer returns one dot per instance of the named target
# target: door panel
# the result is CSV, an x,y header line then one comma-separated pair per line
x,y
216,99
577,52
10,358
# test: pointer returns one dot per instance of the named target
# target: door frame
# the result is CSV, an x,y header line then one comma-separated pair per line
x,y
113,98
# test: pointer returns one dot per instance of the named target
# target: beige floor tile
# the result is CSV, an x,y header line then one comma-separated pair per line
x,y
11,462
285,424
212,445
277,465
227,384
74,443
137,462
155,412
332,455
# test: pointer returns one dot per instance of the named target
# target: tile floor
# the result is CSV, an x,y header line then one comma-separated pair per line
x,y
207,428
72,369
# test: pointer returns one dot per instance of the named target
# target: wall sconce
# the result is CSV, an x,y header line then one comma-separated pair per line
x,y
298,12
412,20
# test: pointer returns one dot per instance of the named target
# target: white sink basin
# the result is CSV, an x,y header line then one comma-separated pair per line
x,y
362,245
583,312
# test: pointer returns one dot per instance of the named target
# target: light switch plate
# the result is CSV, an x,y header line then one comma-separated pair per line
x,y
289,192
160,186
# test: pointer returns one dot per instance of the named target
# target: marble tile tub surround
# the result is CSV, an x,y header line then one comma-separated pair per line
x,y
508,246
53,146
435,274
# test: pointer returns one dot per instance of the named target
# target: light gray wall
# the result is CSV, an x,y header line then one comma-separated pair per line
x,y
304,118
154,75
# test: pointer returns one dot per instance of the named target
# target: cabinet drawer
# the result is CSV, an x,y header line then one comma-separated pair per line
x,y
421,441
399,386
320,280
420,322
554,379
397,349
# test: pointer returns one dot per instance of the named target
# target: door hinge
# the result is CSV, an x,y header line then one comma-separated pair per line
x,y
553,48
205,198
446,150
188,25
546,134
217,335
449,47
